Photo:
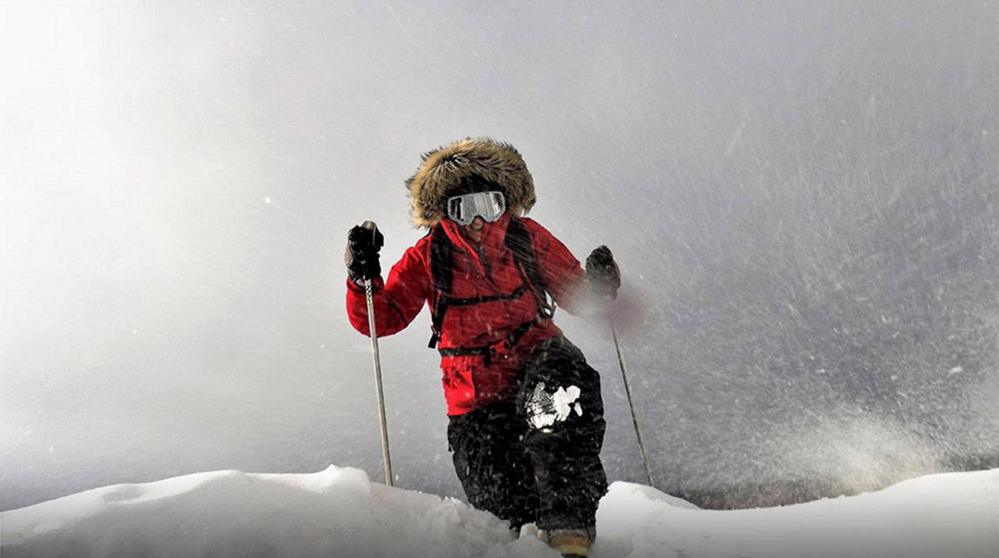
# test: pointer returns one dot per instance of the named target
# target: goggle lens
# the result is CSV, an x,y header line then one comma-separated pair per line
x,y
464,209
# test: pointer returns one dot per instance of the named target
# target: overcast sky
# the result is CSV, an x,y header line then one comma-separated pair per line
x,y
802,197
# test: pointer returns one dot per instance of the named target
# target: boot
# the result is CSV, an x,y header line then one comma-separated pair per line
x,y
572,543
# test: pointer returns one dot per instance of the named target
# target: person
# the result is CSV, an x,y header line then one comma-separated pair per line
x,y
525,412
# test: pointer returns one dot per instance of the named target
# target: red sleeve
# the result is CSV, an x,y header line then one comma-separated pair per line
x,y
397,301
560,269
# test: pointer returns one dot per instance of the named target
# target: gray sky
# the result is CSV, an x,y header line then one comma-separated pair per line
x,y
802,196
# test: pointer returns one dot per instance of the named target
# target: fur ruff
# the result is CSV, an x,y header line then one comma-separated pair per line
x,y
444,168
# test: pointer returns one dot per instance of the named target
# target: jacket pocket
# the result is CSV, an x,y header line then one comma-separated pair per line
x,y
458,379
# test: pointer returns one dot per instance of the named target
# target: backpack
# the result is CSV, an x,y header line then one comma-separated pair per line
x,y
518,240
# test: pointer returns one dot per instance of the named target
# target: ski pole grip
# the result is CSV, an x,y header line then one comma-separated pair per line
x,y
377,240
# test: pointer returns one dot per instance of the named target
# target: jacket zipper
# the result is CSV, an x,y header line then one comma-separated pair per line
x,y
480,250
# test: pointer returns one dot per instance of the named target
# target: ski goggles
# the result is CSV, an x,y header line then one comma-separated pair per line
x,y
464,209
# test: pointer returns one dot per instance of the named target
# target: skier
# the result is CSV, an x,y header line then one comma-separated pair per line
x,y
525,412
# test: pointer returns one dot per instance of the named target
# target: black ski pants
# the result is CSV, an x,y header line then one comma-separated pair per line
x,y
536,459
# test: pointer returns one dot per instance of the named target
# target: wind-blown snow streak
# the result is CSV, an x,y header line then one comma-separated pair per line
x,y
338,512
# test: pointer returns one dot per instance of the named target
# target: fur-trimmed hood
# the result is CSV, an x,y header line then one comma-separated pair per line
x,y
443,169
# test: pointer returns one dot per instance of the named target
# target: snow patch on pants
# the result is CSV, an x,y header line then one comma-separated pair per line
x,y
545,409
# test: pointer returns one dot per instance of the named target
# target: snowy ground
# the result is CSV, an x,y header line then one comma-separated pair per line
x,y
338,512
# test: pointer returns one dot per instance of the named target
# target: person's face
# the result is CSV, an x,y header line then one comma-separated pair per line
x,y
474,229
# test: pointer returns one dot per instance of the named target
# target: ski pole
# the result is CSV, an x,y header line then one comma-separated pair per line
x,y
376,360
631,405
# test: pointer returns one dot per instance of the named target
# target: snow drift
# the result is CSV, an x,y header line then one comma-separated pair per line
x,y
338,512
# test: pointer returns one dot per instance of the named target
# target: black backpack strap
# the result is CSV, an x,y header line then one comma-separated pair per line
x,y
441,268
518,240
489,352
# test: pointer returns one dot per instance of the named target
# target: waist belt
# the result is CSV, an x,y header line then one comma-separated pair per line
x,y
489,351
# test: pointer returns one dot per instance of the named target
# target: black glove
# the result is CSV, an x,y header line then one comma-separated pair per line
x,y
363,243
603,273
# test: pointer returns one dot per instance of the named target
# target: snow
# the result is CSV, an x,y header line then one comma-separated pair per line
x,y
339,512
803,199
545,409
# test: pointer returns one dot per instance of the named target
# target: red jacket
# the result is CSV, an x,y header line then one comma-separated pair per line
x,y
470,380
